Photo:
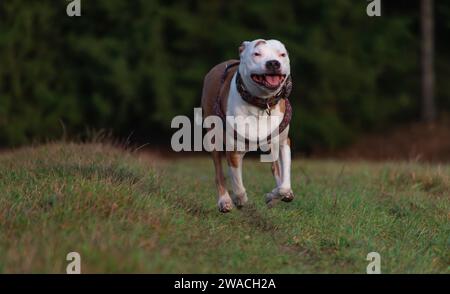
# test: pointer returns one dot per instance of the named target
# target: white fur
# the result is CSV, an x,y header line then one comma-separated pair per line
x,y
237,107
251,64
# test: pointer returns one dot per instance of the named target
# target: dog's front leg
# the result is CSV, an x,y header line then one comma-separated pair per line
x,y
282,173
239,194
224,202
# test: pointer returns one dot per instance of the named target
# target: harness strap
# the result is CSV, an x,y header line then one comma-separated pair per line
x,y
227,68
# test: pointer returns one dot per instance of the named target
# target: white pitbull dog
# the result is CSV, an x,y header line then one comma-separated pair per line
x,y
254,87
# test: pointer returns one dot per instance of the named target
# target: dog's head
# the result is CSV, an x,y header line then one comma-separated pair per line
x,y
264,66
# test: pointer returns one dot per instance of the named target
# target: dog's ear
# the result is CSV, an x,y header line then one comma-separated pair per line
x,y
243,46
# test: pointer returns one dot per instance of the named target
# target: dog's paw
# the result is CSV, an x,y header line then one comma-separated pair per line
x,y
239,200
287,195
225,204
278,194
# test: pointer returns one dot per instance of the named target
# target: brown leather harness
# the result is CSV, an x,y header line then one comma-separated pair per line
x,y
263,103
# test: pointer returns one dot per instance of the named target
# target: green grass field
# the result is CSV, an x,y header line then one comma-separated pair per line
x,y
128,213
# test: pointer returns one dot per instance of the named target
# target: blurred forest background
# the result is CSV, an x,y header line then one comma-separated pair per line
x,y
131,66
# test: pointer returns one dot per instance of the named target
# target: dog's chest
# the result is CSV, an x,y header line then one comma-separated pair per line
x,y
258,122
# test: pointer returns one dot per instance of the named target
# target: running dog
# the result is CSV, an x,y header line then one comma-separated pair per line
x,y
256,85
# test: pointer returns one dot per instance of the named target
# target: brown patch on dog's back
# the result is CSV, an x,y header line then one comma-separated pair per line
x,y
213,86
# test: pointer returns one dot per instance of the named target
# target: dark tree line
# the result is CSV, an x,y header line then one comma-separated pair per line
x,y
131,66
427,58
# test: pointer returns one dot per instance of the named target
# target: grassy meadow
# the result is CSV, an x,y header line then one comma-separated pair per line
x,y
127,212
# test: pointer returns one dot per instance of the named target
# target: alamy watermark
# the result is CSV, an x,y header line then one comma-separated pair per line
x,y
240,133
74,8
74,266
374,8
374,267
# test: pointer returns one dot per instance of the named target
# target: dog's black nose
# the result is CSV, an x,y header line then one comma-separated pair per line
x,y
273,65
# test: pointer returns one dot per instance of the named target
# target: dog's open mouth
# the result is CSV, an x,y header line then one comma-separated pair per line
x,y
270,81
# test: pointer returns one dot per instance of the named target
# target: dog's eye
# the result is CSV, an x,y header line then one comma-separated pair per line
x,y
256,54
283,54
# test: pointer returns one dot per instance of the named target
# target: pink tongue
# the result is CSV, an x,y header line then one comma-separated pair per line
x,y
273,80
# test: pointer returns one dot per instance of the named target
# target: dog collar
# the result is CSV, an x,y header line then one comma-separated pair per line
x,y
263,103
